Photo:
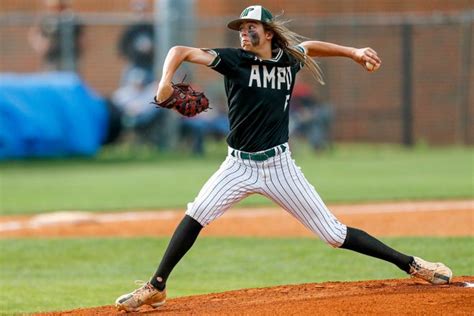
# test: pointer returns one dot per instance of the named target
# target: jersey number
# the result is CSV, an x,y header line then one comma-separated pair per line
x,y
286,101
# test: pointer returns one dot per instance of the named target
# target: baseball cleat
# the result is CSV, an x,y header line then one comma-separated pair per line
x,y
147,294
435,273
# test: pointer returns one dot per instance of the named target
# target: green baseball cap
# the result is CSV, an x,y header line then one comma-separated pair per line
x,y
252,13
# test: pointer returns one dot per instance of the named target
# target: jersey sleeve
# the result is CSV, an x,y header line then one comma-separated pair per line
x,y
304,51
301,49
225,61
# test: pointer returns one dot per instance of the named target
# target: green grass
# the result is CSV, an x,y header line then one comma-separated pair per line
x,y
122,178
61,274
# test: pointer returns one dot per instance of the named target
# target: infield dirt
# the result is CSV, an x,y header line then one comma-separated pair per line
x,y
380,297
386,297
426,218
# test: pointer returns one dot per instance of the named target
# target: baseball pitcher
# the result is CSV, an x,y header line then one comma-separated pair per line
x,y
259,78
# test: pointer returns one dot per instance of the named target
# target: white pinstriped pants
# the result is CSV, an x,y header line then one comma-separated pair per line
x,y
277,178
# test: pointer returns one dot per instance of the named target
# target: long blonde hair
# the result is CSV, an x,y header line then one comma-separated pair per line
x,y
286,39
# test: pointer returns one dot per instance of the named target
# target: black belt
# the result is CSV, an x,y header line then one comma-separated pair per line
x,y
261,156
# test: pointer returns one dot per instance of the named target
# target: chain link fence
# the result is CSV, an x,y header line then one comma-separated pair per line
x,y
422,92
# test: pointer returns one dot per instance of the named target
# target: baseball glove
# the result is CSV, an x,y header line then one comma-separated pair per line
x,y
184,100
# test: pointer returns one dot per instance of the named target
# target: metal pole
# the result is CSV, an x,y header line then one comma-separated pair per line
x,y
466,60
407,84
162,33
173,26
67,41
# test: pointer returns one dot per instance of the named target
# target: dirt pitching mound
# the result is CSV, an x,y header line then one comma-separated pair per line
x,y
381,297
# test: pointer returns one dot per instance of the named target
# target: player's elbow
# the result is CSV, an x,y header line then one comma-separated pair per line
x,y
177,49
181,51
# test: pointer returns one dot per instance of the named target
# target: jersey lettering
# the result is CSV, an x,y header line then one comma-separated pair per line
x,y
286,102
276,78
255,75
268,77
289,78
281,77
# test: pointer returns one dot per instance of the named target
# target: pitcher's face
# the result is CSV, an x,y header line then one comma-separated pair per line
x,y
253,35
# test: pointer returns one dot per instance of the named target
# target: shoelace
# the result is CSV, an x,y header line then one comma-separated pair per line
x,y
140,282
421,271
143,286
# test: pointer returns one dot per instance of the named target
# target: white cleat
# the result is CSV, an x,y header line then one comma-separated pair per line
x,y
435,273
147,294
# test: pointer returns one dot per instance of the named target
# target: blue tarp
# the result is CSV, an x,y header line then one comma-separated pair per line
x,y
49,115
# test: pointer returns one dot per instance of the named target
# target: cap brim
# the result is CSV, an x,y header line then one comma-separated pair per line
x,y
235,24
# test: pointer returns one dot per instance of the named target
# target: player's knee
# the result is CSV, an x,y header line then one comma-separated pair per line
x,y
334,243
198,219
197,215
336,240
